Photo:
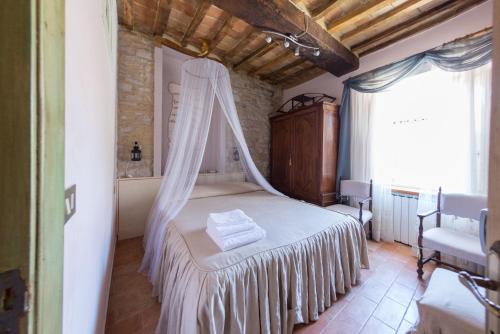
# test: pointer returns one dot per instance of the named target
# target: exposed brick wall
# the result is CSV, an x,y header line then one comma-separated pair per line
x,y
254,99
135,101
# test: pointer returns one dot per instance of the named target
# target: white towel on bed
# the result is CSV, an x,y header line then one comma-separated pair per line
x,y
233,217
226,230
239,239
233,229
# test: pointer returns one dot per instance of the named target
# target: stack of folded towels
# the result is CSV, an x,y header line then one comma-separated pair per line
x,y
233,229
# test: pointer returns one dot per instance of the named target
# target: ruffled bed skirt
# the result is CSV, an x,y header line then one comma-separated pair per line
x,y
267,292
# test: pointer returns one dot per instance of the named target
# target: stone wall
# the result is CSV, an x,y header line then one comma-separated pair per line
x,y
135,101
254,99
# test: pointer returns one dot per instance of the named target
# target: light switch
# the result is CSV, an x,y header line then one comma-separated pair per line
x,y
69,203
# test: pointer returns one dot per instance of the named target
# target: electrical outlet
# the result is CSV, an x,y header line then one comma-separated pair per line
x,y
69,203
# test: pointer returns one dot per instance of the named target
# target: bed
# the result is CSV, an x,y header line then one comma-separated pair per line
x,y
309,255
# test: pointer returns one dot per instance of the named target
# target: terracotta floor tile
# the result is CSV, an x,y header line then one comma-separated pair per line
x,y
375,290
421,286
129,325
346,325
150,316
131,309
360,308
315,327
408,278
390,312
411,314
336,308
404,327
375,326
400,294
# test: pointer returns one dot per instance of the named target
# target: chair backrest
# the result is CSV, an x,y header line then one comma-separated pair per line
x,y
463,205
355,188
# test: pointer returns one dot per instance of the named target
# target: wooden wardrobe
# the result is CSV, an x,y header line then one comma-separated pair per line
x,y
304,145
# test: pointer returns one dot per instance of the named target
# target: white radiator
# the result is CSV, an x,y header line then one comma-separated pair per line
x,y
404,217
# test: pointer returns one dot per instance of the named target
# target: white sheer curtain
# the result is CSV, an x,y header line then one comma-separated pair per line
x,y
214,157
427,131
473,90
202,81
366,145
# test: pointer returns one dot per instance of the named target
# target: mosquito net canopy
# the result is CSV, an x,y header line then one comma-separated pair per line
x,y
205,86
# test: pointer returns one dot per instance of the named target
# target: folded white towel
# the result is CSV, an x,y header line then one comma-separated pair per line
x,y
232,217
239,239
228,229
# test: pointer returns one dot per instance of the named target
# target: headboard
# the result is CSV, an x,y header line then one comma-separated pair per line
x,y
135,197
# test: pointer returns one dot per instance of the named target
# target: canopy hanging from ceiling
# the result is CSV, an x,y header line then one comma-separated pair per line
x,y
204,84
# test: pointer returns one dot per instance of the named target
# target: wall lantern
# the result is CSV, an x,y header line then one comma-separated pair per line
x,y
236,154
135,154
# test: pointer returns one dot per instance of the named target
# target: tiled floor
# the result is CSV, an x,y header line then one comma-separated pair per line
x,y
383,302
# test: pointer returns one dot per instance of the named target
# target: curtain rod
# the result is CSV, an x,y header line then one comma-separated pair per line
x,y
474,34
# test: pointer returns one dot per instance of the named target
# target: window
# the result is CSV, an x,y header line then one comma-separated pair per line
x,y
431,130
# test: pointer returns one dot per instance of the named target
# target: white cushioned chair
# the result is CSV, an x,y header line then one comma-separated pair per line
x,y
449,241
360,191
448,307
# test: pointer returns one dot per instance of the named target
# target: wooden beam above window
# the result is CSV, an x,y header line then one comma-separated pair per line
x,y
425,20
357,13
405,7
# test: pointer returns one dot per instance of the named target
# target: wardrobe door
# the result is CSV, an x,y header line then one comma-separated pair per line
x,y
305,156
281,142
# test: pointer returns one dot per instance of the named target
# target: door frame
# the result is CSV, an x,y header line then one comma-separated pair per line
x,y
32,146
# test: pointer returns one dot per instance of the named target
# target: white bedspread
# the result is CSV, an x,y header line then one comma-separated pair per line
x,y
291,276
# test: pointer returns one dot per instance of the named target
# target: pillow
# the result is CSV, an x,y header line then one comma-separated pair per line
x,y
223,188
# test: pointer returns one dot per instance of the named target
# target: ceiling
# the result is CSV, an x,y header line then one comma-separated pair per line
x,y
357,27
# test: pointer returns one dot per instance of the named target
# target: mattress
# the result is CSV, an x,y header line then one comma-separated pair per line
x,y
309,255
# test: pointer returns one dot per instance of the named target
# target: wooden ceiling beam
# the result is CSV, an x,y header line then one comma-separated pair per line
x,y
283,69
405,7
195,21
301,5
268,65
248,35
264,49
352,15
425,20
176,46
221,32
321,11
302,77
163,9
128,13
284,16
294,75
422,27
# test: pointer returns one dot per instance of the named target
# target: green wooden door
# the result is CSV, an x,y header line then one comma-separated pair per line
x,y
32,155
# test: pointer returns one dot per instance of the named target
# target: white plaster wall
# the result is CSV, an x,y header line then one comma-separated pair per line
x,y
90,164
172,64
471,21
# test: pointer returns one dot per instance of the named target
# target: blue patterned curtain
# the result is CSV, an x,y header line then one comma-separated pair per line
x,y
462,55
